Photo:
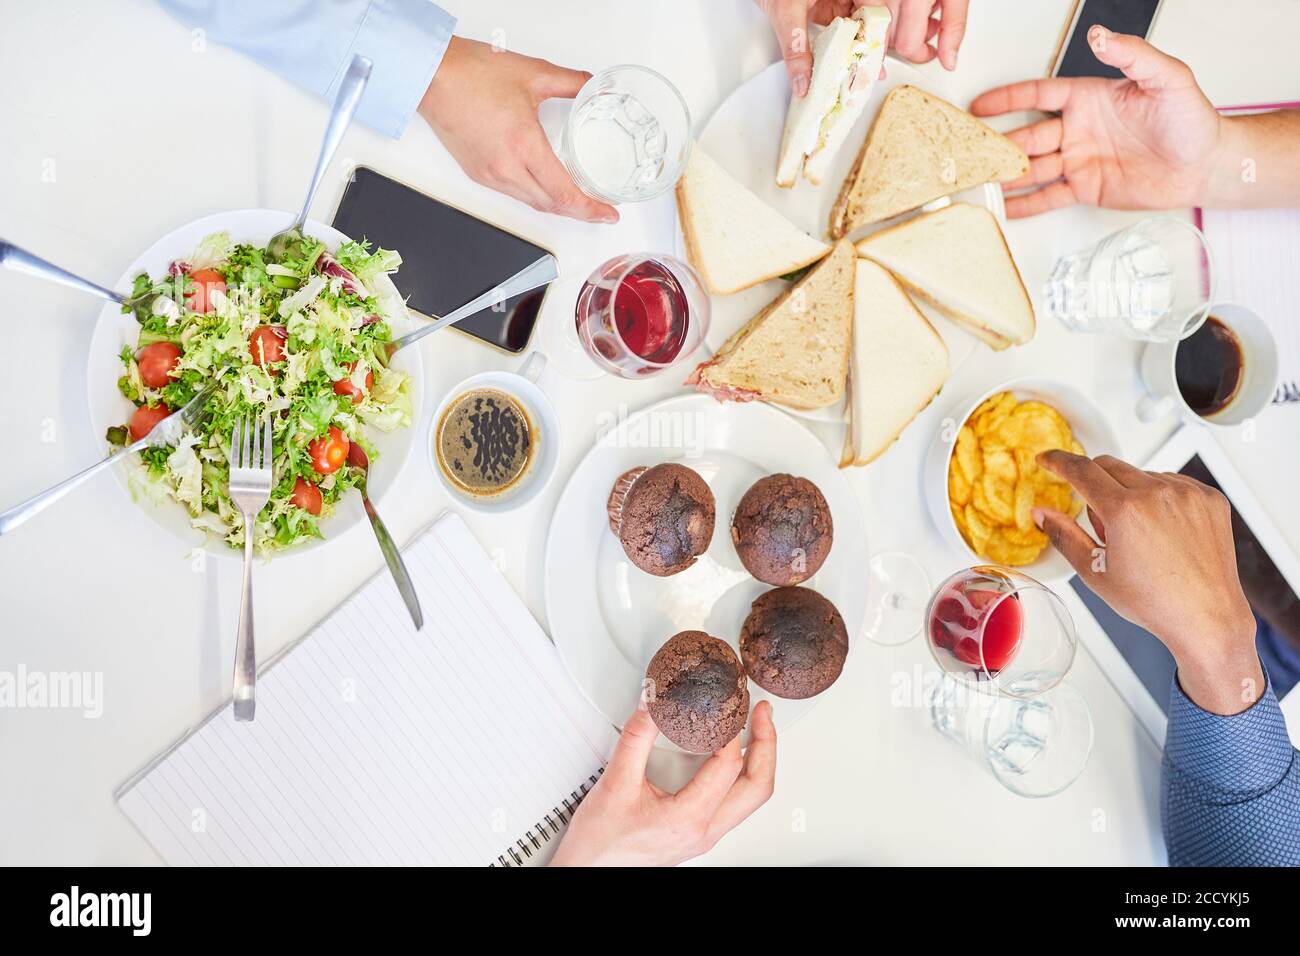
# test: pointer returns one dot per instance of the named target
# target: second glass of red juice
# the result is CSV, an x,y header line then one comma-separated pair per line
x,y
641,313
1002,630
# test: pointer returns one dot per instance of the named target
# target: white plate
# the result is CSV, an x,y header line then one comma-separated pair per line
x,y
744,136
114,329
607,617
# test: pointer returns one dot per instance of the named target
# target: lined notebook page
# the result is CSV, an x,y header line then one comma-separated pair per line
x,y
1257,252
376,744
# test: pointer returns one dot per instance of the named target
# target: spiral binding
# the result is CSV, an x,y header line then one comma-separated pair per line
x,y
547,828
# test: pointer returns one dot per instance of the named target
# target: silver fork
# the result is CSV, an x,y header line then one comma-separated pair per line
x,y
166,432
250,489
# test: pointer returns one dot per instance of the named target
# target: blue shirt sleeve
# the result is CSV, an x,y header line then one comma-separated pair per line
x,y
311,43
1230,786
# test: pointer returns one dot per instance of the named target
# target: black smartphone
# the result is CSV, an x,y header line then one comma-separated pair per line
x,y
1075,57
448,256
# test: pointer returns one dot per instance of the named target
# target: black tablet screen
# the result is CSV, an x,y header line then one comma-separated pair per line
x,y
448,256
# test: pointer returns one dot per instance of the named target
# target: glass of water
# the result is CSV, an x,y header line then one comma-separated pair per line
x,y
1152,281
628,136
1035,748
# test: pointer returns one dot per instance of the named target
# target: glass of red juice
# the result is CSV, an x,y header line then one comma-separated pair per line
x,y
641,313
1002,630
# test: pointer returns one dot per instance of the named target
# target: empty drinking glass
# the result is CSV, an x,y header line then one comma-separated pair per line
x,y
1152,281
628,136
1034,748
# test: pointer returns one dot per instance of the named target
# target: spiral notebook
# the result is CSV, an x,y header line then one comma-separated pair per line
x,y
465,743
1256,252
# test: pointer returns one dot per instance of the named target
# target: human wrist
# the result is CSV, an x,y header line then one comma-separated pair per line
x,y
1218,667
1227,166
443,77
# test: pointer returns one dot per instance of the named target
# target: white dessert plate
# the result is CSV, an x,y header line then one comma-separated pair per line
x,y
608,617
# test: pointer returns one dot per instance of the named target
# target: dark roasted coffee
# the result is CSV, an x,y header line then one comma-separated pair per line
x,y
485,442
1208,367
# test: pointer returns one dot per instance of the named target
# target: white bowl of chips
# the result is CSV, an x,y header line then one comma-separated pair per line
x,y
982,479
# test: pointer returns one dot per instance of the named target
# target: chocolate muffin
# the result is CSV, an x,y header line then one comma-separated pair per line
x,y
663,516
793,643
782,529
699,699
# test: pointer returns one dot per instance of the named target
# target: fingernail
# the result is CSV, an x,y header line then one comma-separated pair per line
x,y
1038,517
801,86
1097,33
609,218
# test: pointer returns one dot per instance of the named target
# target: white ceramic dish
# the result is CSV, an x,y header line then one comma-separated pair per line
x,y
607,617
114,329
744,136
1090,427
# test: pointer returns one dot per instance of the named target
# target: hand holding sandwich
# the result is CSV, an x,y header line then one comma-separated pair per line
x,y
912,34
1149,141
1165,561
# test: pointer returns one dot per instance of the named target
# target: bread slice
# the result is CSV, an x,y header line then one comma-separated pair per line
x,y
920,148
796,351
899,363
734,239
957,259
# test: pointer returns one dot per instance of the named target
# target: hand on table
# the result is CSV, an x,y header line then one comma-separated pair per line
x,y
910,34
482,104
1166,562
627,821
1151,141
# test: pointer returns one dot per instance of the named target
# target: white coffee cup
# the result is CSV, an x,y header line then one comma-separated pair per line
x,y
1259,373
544,428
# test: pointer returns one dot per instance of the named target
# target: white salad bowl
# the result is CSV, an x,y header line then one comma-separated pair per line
x,y
108,407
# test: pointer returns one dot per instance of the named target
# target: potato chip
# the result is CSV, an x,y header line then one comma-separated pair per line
x,y
1033,538
1001,550
1024,504
1076,448
1000,498
967,454
1000,407
1001,464
958,487
1056,496
978,529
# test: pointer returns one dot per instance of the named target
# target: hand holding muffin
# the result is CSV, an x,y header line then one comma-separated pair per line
x,y
627,821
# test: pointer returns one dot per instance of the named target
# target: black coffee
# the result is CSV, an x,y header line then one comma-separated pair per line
x,y
1208,367
485,441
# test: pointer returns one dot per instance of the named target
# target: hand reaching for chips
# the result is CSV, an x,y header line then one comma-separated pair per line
x,y
994,481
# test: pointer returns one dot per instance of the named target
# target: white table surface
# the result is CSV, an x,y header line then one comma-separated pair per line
x,y
118,125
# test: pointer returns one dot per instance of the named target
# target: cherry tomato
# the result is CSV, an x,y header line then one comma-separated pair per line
x,y
329,452
206,281
267,345
306,496
145,418
156,362
344,386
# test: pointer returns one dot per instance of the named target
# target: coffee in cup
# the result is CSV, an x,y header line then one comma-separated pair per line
x,y
485,442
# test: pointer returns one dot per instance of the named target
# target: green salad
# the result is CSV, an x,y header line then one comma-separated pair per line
x,y
301,340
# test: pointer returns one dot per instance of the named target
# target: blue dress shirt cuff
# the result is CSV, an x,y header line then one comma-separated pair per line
x,y
1232,758
407,40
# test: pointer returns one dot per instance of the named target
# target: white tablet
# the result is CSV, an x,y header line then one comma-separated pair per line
x,y
1138,665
